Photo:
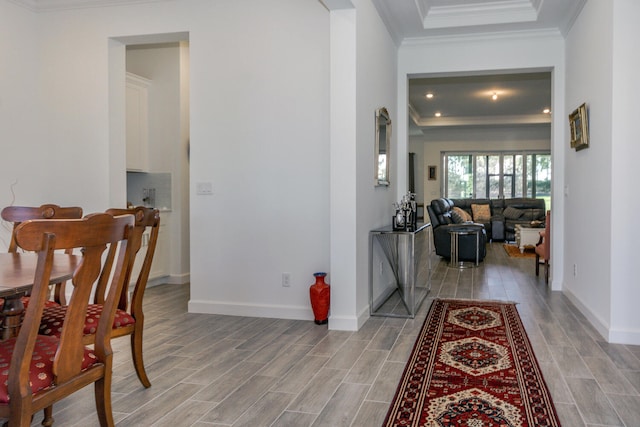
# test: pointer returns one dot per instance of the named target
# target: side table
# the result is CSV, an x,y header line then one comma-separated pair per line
x,y
527,236
455,234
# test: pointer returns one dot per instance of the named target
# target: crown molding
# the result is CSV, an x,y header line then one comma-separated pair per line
x,y
468,15
552,33
54,5
337,4
531,119
573,15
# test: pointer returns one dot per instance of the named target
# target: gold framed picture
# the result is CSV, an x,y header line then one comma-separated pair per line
x,y
579,127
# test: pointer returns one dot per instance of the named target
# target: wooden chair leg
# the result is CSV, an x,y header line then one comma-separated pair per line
x,y
537,264
47,421
136,355
546,271
103,400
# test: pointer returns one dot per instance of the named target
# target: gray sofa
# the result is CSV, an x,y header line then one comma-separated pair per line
x,y
505,214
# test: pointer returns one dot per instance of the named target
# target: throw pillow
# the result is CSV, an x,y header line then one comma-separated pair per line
x,y
481,213
455,216
463,214
512,213
531,214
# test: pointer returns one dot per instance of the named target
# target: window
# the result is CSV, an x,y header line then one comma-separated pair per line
x,y
497,175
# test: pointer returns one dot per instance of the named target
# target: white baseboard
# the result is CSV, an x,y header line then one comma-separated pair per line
x,y
251,310
343,323
619,336
596,321
349,323
174,279
338,323
611,335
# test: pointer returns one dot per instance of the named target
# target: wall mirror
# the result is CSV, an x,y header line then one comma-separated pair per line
x,y
382,147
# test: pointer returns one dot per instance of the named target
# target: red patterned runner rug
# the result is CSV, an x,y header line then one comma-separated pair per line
x,y
473,366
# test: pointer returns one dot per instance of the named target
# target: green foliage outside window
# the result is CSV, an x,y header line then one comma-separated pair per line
x,y
494,175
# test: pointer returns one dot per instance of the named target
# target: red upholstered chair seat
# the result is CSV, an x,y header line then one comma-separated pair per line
x,y
41,370
48,303
53,317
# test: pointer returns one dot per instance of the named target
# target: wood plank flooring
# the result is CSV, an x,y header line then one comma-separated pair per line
x,y
211,370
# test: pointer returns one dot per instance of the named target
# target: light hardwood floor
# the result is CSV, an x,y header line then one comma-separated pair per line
x,y
211,370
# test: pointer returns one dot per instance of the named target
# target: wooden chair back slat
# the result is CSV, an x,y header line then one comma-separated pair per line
x,y
146,218
19,214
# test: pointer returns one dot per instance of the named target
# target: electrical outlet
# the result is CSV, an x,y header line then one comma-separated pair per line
x,y
575,270
204,188
286,279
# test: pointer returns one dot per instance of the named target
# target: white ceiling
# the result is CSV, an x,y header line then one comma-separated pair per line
x,y
407,19
466,100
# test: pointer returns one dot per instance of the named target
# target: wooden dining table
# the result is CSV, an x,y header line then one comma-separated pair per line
x,y
17,271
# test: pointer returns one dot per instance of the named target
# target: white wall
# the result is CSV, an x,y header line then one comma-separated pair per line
x,y
589,172
363,75
376,87
431,146
606,286
602,66
539,51
259,133
342,140
24,145
625,324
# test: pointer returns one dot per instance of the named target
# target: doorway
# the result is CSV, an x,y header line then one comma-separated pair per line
x,y
459,114
161,62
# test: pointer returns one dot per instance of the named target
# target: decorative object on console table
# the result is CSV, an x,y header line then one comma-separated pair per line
x,y
406,215
579,127
398,220
320,295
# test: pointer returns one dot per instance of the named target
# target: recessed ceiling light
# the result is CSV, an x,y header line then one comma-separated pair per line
x,y
438,114
546,111
429,95
494,96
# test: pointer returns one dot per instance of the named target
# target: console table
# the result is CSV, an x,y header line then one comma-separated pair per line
x,y
399,270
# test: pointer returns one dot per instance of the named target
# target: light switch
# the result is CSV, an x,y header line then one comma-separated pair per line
x,y
204,188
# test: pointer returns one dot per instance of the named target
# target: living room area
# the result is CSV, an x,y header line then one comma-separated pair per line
x,y
480,151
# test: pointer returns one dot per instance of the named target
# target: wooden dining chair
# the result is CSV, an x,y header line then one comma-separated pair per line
x,y
19,214
543,248
41,370
129,317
